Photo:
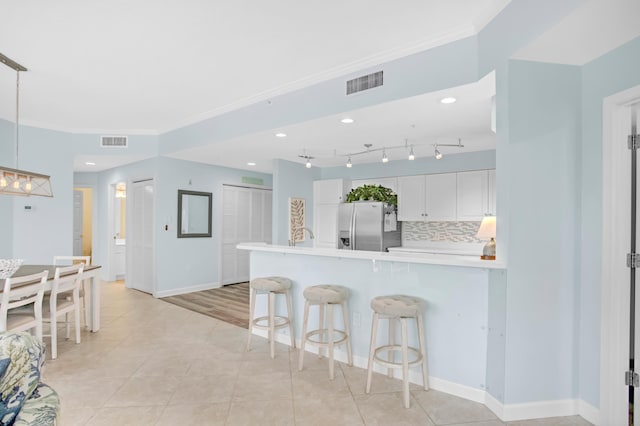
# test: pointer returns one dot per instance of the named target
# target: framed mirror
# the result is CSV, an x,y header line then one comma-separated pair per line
x,y
194,214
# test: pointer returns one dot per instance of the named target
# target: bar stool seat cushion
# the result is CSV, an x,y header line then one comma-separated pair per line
x,y
271,283
398,305
326,293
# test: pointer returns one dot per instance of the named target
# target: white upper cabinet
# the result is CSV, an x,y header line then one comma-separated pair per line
x,y
491,208
441,197
427,197
473,195
411,198
327,195
330,190
462,196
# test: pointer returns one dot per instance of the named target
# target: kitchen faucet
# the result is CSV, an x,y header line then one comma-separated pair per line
x,y
292,243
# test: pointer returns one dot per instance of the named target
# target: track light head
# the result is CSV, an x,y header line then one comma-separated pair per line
x,y
437,153
385,159
349,165
411,155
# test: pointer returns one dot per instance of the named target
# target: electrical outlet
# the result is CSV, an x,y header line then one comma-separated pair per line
x,y
356,319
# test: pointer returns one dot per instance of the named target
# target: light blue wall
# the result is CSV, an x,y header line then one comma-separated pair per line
x,y
291,180
607,75
543,191
47,228
7,158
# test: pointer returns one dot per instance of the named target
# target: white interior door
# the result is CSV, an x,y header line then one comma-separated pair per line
x,y
77,222
141,237
615,288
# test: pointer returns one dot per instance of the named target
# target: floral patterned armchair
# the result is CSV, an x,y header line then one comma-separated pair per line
x,y
24,400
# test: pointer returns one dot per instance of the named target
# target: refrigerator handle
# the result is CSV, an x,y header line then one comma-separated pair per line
x,y
352,234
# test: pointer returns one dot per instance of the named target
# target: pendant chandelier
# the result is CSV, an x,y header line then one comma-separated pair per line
x,y
16,181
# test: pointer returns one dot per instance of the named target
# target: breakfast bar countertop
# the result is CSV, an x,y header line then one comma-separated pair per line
x,y
391,256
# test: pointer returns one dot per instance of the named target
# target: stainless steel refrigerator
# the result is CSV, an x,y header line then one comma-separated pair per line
x,y
368,225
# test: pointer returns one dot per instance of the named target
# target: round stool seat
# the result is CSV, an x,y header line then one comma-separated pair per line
x,y
270,283
326,293
398,305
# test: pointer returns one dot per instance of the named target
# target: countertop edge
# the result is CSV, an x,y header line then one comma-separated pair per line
x,y
426,258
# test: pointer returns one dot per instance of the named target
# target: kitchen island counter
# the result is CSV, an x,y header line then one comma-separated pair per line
x,y
464,318
414,256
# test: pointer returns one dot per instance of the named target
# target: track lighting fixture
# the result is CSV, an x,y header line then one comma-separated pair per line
x,y
385,159
308,158
437,153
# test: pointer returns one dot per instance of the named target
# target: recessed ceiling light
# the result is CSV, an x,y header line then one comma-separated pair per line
x,y
281,135
448,100
347,120
251,163
90,163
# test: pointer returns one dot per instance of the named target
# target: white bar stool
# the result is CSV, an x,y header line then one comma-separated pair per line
x,y
326,296
271,286
394,308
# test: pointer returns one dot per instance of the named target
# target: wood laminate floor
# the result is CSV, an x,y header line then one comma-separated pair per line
x,y
229,303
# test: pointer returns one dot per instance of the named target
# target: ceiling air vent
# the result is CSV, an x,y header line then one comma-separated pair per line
x,y
364,83
113,141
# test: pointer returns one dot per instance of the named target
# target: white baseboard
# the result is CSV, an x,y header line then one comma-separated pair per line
x,y
589,412
508,412
185,290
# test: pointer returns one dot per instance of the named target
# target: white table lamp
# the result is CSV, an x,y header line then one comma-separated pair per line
x,y
487,231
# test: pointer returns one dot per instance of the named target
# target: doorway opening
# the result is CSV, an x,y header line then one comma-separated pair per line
x,y
82,221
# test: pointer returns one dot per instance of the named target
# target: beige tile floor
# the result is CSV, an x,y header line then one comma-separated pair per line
x,y
154,363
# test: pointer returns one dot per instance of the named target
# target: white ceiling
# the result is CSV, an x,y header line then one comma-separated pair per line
x,y
145,67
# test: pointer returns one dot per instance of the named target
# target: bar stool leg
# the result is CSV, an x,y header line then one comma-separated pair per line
x,y
423,351
345,316
405,363
289,316
330,338
372,348
303,339
272,328
391,356
252,307
321,327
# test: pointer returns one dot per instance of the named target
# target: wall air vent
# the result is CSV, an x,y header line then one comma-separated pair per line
x,y
364,83
113,141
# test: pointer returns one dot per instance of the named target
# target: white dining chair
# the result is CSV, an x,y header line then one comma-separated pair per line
x,y
64,299
21,303
68,261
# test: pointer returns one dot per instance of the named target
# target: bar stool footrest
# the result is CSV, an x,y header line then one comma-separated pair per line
x,y
321,343
391,364
279,320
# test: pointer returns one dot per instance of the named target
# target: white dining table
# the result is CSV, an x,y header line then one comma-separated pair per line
x,y
91,272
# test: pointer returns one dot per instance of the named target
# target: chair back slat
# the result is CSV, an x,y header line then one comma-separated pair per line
x,y
22,291
71,260
67,279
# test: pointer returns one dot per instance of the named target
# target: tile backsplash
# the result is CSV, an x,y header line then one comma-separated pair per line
x,y
453,232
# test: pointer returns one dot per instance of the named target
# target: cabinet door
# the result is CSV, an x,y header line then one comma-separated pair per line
x,y
491,208
325,218
441,197
411,198
472,195
330,190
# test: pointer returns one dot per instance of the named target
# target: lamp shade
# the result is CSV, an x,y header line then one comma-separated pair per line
x,y
487,228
